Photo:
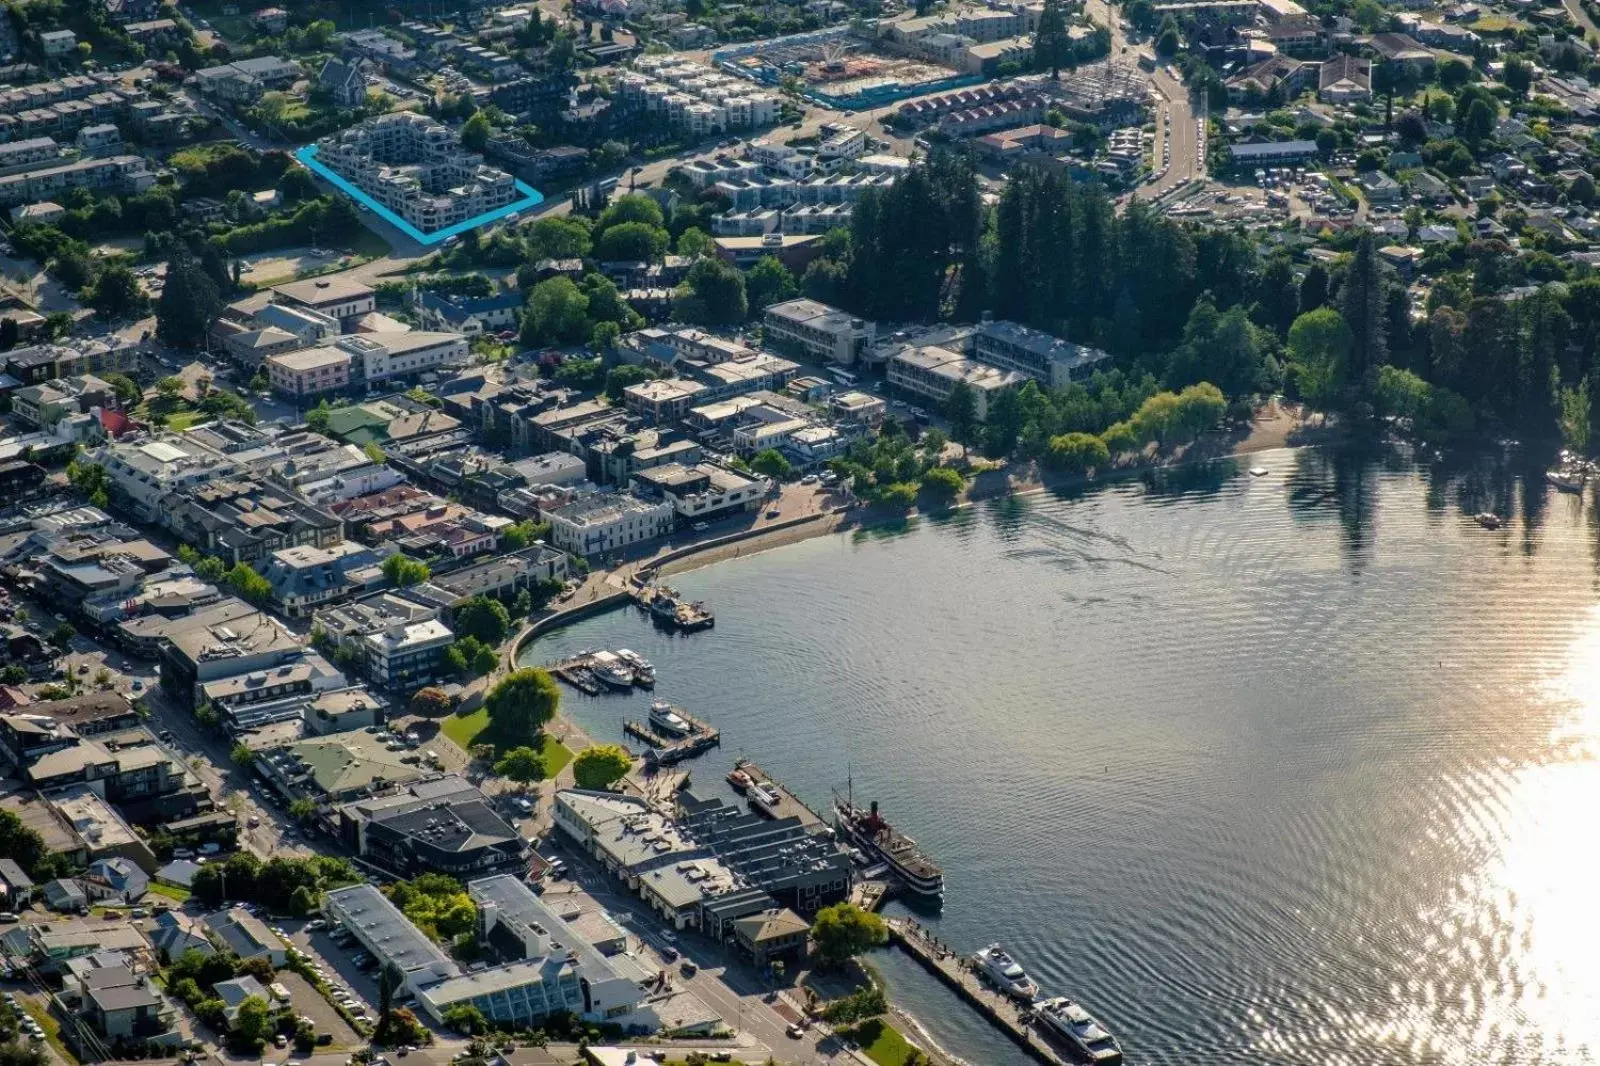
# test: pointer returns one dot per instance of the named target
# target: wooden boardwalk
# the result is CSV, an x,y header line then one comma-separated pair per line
x,y
665,750
1001,1011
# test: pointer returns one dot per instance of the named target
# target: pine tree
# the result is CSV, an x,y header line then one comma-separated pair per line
x,y
1052,47
188,303
1361,304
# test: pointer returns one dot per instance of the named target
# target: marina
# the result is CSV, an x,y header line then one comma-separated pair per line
x,y
672,734
596,672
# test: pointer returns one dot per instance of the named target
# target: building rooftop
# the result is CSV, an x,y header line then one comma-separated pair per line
x,y
381,923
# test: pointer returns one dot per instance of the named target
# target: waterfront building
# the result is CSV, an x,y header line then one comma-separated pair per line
x,y
817,331
444,826
603,522
701,491
933,372
1047,359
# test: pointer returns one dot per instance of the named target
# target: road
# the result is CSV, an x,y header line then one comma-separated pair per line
x,y
1586,24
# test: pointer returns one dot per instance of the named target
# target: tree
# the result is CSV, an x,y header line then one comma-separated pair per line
x,y
189,301
484,618
633,241
941,485
604,337
712,294
1052,44
128,391
559,237
843,931
557,313
169,388
1167,40
211,569
464,1018
619,378
696,243
771,463
1318,348
769,282
404,571
600,766
303,809
242,755
248,585
61,636
484,660
475,132
961,409
1362,305
430,702
1518,77
521,704
1077,453
115,292
522,765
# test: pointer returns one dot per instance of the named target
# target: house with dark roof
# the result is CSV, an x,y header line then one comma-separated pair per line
x,y
116,878
342,80
247,937
65,895
1345,79
468,315
174,932
233,994
16,887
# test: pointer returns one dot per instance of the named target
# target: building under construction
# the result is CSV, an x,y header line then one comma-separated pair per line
x,y
1107,94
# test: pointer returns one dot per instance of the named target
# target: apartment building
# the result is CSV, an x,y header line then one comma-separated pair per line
x,y
337,297
309,371
417,168
120,173
246,80
1047,359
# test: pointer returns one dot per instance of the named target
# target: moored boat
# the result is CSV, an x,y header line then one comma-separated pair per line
x,y
1005,972
1077,1027
867,829
644,674
740,781
1567,478
611,670
665,719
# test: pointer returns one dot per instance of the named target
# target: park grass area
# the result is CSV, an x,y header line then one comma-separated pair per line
x,y
182,420
172,892
52,1028
880,1042
475,728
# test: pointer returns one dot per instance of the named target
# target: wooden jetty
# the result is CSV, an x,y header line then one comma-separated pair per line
x,y
665,750
789,806
869,895
1004,1013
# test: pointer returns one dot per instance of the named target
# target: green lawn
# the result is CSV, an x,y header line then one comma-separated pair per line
x,y
169,891
182,420
881,1042
467,730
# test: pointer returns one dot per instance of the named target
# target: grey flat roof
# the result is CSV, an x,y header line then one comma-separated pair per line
x,y
381,924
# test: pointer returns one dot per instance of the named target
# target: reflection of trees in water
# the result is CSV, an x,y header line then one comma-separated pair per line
x,y
1007,515
1339,482
1190,479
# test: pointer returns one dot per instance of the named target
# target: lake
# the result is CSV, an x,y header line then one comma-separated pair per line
x,y
1292,769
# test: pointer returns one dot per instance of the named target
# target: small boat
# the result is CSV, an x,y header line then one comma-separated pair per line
x,y
765,795
666,720
644,674
1489,520
740,781
997,964
1258,471
610,670
1567,478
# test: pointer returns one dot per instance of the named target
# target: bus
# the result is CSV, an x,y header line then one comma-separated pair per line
x,y
843,377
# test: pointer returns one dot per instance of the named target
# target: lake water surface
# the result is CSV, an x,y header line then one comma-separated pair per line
x,y
1296,769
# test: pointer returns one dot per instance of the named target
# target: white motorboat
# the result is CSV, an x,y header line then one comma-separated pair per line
x,y
1077,1027
611,670
667,720
644,674
1007,974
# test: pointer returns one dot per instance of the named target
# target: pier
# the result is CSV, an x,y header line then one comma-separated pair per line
x,y
575,672
664,750
868,894
1004,1013
789,806
666,607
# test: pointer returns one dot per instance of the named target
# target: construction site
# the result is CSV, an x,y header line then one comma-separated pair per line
x,y
841,70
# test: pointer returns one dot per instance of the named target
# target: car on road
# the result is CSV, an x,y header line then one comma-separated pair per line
x,y
700,527
8,917
688,968
775,513
316,923
794,1032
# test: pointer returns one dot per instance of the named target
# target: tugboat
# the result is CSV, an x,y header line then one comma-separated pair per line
x,y
1066,1019
867,829
644,674
995,963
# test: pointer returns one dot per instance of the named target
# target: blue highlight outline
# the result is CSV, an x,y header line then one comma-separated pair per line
x,y
531,198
